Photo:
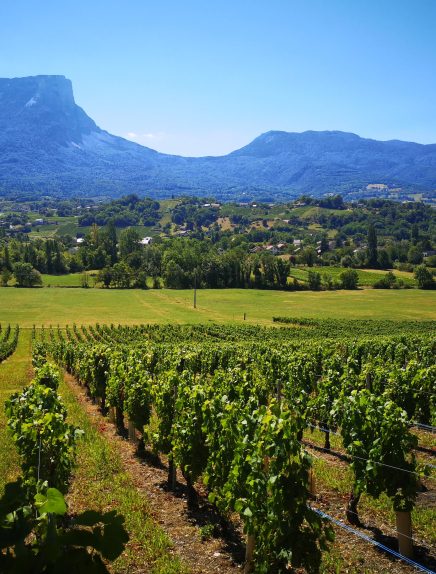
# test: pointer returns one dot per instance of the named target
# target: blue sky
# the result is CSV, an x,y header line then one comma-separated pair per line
x,y
197,77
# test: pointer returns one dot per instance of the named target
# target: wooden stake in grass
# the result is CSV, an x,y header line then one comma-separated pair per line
x,y
404,533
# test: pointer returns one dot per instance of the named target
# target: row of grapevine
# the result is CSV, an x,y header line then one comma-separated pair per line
x,y
198,426
8,341
36,533
233,414
296,331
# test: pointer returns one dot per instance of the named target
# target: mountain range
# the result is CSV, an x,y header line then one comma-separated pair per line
x,y
48,144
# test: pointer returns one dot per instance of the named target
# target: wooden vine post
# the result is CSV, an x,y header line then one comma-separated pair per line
x,y
132,432
404,533
312,483
112,415
249,554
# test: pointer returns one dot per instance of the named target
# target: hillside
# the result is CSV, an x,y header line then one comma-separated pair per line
x,y
49,145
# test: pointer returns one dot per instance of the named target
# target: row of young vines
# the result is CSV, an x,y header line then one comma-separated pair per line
x,y
37,535
233,414
8,341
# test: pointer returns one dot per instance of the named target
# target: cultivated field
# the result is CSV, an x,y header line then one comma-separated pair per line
x,y
84,306
367,277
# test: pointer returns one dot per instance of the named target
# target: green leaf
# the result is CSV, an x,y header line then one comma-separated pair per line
x,y
52,503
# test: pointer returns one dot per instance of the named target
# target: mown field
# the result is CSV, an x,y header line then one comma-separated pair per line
x,y
367,277
54,306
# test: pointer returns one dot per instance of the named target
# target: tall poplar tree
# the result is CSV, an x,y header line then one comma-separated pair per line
x,y
372,246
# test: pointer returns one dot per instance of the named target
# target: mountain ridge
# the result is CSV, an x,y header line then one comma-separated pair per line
x,y
48,143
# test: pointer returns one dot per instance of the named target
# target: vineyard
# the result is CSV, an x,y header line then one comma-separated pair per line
x,y
278,427
8,341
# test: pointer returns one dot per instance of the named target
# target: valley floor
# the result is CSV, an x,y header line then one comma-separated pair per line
x,y
54,306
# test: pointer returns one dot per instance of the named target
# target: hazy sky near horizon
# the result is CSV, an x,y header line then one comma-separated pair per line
x,y
194,77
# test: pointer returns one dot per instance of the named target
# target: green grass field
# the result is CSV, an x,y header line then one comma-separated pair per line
x,y
84,306
367,278
70,280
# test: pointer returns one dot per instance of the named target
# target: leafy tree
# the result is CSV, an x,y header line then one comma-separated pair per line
x,y
141,280
282,269
431,261
324,244
314,281
109,241
121,275
414,233
384,260
129,242
414,255
387,282
328,282
268,268
105,276
349,279
84,280
26,276
5,277
308,256
6,260
424,278
372,247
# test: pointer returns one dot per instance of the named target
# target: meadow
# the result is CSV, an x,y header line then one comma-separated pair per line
x,y
367,277
41,306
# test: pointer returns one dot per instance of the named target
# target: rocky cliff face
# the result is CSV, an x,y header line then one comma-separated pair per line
x,y
49,144
42,108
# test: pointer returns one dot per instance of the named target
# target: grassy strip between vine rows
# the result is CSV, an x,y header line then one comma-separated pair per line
x,y
101,483
14,374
